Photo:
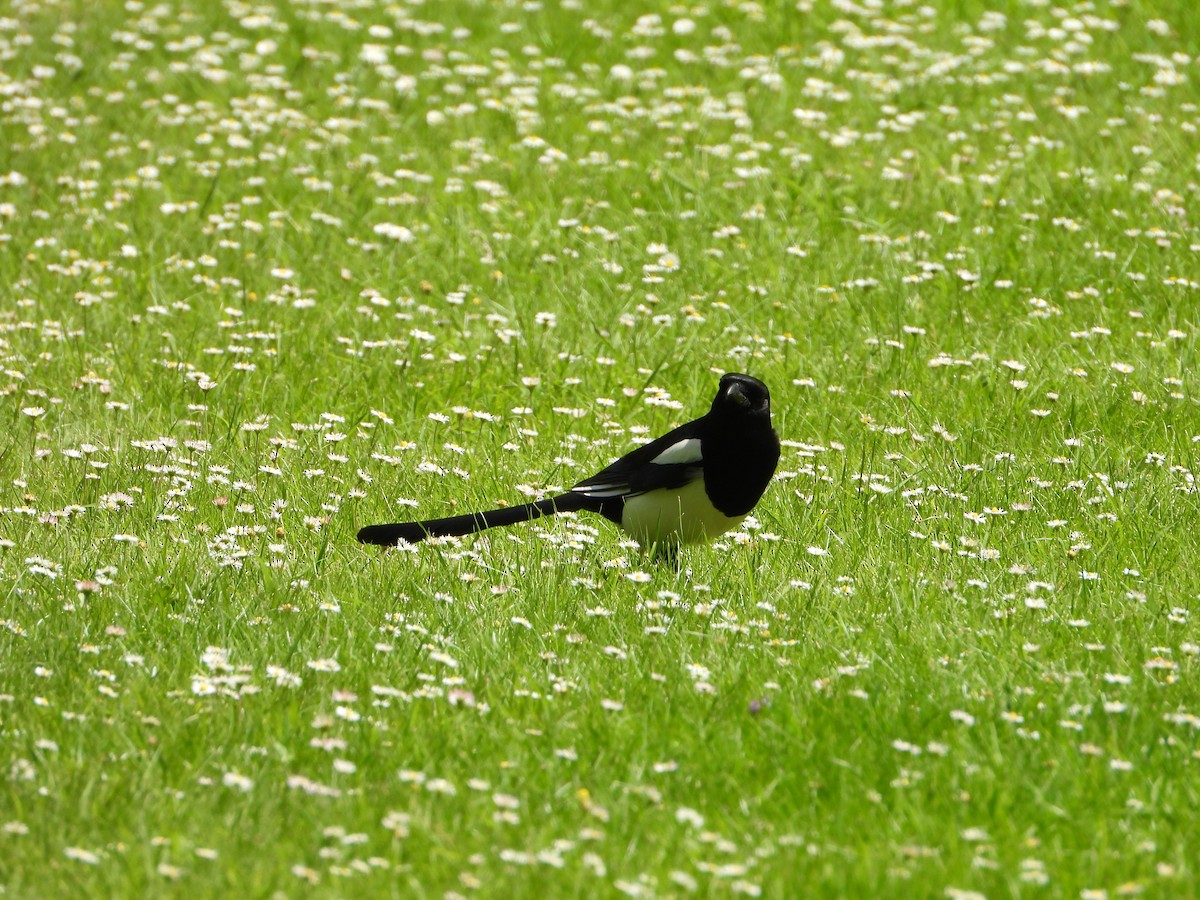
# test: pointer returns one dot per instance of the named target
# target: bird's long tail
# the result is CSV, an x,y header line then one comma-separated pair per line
x,y
388,535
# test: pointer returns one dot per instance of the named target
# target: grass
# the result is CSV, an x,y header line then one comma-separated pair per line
x,y
268,274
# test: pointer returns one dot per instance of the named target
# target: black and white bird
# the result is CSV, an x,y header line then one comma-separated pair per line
x,y
690,485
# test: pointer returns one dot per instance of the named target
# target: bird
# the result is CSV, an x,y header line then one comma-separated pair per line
x,y
691,485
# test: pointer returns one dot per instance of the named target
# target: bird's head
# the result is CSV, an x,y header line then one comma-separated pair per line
x,y
741,396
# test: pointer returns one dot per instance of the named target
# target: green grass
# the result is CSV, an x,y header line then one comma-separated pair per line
x,y
954,654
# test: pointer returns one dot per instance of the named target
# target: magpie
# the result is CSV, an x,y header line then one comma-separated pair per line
x,y
692,484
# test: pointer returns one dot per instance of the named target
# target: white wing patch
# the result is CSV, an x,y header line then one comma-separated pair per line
x,y
680,454
601,490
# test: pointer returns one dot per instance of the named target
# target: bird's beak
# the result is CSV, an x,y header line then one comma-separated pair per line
x,y
735,393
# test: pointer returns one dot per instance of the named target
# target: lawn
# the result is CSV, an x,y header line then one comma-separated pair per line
x,y
270,272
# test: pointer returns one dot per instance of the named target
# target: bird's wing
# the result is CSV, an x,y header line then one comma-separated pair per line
x,y
671,461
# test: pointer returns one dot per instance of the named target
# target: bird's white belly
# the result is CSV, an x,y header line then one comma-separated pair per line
x,y
680,516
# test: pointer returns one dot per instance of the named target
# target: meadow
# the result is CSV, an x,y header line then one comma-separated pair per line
x,y
273,271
